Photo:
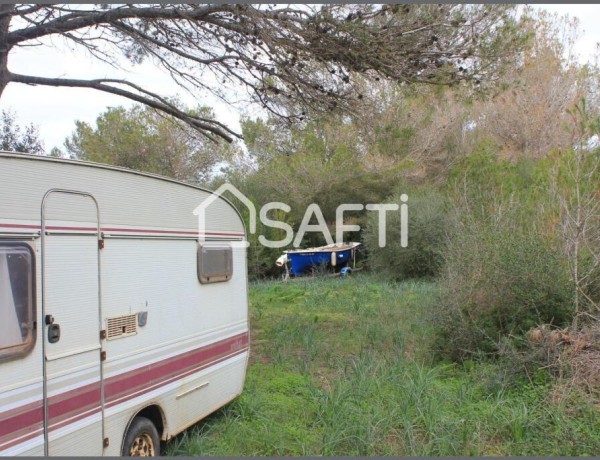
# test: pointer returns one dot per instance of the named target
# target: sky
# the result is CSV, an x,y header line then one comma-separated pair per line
x,y
55,110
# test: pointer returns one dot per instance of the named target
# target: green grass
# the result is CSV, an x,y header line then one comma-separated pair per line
x,y
341,367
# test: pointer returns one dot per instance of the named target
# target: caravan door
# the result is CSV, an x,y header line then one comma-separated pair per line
x,y
73,391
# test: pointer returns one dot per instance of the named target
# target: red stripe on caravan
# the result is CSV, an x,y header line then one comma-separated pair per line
x,y
48,227
124,230
18,410
33,227
146,389
23,421
179,232
163,370
68,407
18,438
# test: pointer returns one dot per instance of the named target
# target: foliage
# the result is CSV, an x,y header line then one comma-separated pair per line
x,y
527,114
580,222
291,60
12,139
520,219
143,139
418,128
321,163
428,228
496,285
504,270
484,186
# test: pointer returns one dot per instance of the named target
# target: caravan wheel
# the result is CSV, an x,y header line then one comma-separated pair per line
x,y
142,439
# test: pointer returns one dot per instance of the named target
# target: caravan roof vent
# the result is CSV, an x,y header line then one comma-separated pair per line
x,y
121,326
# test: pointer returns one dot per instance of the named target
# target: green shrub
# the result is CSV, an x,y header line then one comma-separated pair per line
x,y
427,233
496,285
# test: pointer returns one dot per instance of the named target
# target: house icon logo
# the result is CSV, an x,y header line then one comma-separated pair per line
x,y
200,211
312,211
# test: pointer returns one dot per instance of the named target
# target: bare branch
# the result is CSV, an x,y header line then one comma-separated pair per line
x,y
80,20
208,127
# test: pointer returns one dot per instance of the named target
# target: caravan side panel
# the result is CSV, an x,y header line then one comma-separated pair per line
x,y
171,342
195,340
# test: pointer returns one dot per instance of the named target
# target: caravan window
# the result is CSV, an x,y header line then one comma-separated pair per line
x,y
215,263
17,312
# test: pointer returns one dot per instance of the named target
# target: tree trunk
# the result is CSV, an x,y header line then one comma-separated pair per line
x,y
5,18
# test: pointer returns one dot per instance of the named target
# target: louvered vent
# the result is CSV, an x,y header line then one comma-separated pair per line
x,y
121,326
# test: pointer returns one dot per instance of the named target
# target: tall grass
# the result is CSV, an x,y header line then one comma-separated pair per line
x,y
342,367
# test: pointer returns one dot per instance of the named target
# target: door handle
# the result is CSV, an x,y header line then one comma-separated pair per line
x,y
54,333
53,329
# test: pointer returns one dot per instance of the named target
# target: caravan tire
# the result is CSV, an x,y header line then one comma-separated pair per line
x,y
142,439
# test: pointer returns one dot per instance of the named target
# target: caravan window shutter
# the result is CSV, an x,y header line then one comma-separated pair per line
x,y
215,263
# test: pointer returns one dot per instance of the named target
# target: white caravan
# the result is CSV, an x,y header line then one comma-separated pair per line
x,y
120,323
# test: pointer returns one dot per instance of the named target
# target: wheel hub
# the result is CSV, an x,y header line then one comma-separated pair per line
x,y
142,446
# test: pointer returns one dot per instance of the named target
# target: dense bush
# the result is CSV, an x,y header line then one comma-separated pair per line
x,y
427,232
496,285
